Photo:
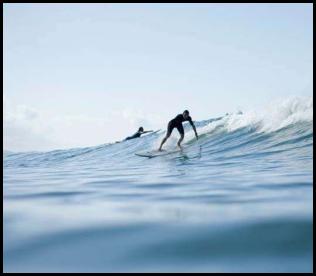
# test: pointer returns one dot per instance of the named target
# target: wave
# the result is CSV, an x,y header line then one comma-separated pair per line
x,y
281,127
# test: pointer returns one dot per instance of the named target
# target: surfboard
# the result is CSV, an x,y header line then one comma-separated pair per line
x,y
156,153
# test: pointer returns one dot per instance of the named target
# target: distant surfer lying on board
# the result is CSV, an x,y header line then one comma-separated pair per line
x,y
177,123
138,133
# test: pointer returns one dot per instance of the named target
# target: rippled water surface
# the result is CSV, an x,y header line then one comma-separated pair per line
x,y
237,200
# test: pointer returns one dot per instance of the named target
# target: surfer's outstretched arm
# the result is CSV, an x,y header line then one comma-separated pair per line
x,y
147,131
193,126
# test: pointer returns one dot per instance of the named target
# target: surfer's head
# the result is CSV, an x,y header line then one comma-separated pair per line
x,y
141,129
185,114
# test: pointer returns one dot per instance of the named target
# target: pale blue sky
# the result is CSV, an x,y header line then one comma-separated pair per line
x,y
86,74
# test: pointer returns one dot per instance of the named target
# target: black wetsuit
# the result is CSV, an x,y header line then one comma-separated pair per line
x,y
177,123
136,135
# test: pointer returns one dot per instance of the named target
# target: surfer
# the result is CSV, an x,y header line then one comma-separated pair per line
x,y
138,133
177,123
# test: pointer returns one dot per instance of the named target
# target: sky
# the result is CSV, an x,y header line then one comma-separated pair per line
x,y
78,75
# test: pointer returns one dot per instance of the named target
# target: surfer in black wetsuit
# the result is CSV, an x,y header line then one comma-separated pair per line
x,y
138,133
177,123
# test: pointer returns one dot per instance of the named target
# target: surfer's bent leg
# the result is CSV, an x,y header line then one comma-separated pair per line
x,y
181,131
169,130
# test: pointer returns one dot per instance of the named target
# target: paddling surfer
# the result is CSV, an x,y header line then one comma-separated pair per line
x,y
138,133
177,123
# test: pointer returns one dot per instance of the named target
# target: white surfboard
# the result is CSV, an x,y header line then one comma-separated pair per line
x,y
156,153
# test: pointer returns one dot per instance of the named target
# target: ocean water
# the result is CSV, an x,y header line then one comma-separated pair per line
x,y
240,199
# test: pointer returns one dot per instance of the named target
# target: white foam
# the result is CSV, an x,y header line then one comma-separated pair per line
x,y
289,111
276,115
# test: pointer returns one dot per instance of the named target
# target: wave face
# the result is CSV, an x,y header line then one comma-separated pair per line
x,y
237,200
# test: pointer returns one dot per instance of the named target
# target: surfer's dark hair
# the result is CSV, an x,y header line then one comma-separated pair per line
x,y
141,129
186,111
